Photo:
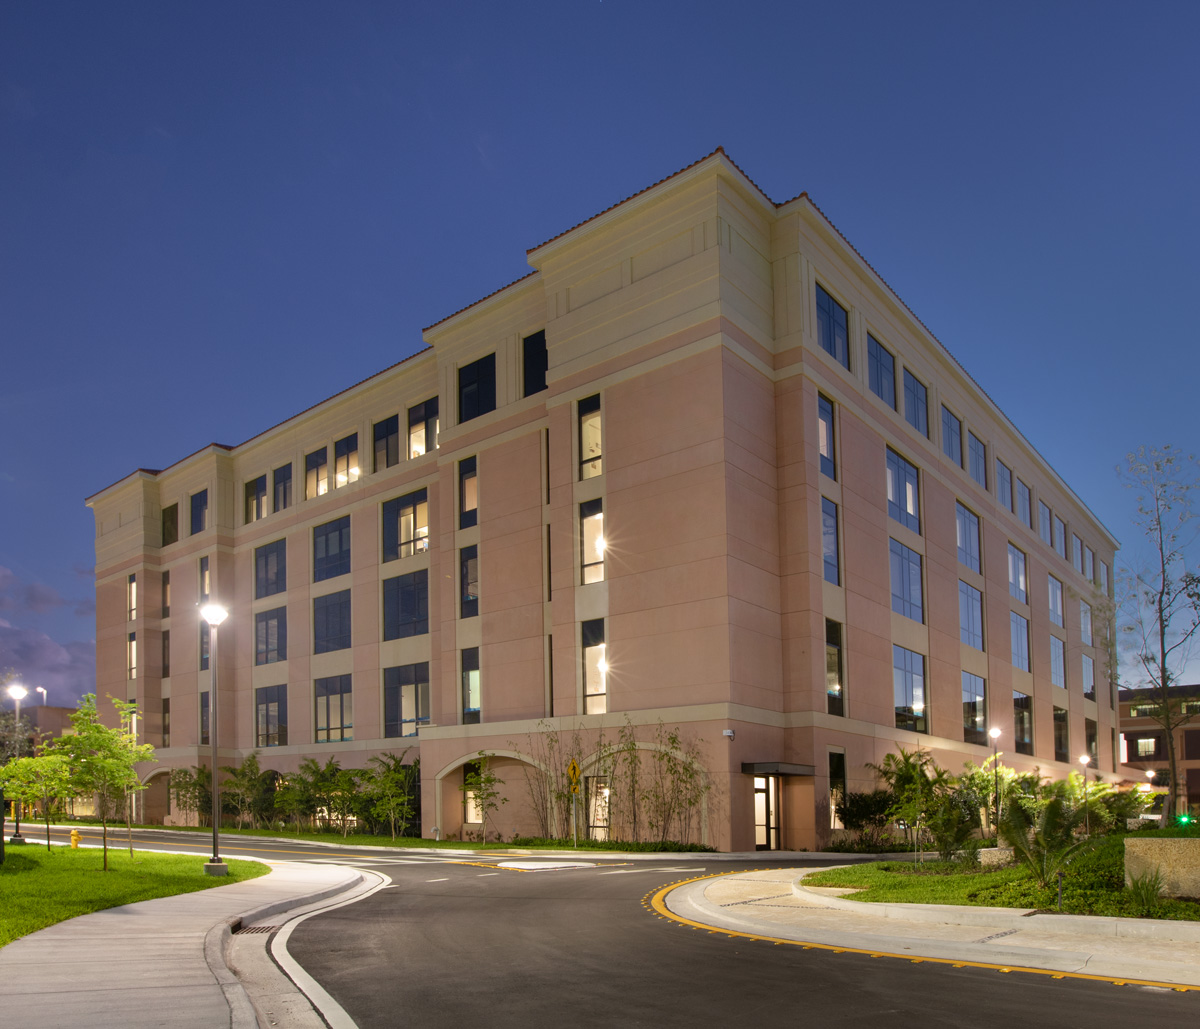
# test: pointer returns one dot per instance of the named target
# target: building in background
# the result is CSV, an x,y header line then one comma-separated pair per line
x,y
1144,743
700,467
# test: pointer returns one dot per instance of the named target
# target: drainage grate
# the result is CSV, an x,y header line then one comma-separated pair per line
x,y
256,929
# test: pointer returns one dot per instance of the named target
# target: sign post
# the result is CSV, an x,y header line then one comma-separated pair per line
x,y
573,775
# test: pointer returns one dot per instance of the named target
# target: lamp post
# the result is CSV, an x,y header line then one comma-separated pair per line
x,y
994,733
42,691
1085,760
214,614
17,692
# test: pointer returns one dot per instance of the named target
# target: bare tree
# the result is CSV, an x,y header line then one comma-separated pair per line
x,y
1160,590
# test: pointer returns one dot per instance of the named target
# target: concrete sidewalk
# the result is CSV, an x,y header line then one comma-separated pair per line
x,y
772,903
154,963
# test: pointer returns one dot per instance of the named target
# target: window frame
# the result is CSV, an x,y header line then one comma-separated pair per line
x,y
327,563
970,616
338,693
589,419
423,419
881,371
406,605
416,676
826,440
905,479
332,625
906,568
386,443
264,652
952,433
916,403
830,543
476,388
595,666
268,701
832,317
909,683
591,571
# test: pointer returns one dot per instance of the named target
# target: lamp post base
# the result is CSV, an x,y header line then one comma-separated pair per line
x,y
216,867
16,838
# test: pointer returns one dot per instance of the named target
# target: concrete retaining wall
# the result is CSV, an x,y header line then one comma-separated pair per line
x,y
1178,861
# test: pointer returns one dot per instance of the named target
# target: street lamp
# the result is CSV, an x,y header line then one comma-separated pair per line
x,y
214,614
994,733
1085,760
17,692
42,691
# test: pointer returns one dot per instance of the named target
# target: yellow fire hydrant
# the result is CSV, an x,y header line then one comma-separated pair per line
x,y
75,838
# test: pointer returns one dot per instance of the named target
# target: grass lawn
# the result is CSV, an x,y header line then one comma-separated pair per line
x,y
40,887
1093,884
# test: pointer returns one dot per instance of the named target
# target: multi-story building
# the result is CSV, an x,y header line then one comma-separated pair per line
x,y
1144,740
701,467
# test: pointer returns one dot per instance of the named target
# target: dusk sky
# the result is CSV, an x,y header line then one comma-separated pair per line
x,y
215,215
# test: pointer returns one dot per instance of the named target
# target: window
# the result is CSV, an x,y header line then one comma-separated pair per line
x,y
477,388
406,605
345,460
908,687
166,724
1004,490
166,653
970,615
131,656
837,787
331,622
270,716
903,492
170,525
270,636
282,484
205,636
270,569
423,428
199,511
1044,524
470,686
1056,601
590,463
952,437
331,549
1085,622
1016,575
1023,510
335,709
829,541
1104,578
1089,678
1058,662
831,328
825,436
881,372
835,699
1060,537
906,582
977,459
1062,740
1022,722
472,811
1077,553
1089,728
166,594
468,579
204,719
1089,564
916,404
316,474
468,493
1019,636
595,667
256,499
1146,748
405,699
974,704
592,544
405,525
387,443
967,531
535,362
205,580
131,597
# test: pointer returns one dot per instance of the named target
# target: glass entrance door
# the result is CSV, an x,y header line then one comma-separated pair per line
x,y
766,812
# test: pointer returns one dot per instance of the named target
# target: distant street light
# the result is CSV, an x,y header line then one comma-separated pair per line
x,y
214,614
42,691
17,692
994,733
1085,760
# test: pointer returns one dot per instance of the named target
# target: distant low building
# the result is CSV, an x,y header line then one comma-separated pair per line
x,y
1144,741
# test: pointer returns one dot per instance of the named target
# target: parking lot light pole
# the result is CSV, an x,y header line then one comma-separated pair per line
x,y
17,692
214,614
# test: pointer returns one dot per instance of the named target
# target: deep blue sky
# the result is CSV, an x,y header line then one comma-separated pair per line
x,y
264,203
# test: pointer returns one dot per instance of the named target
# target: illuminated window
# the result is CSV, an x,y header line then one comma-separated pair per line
x,y
131,597
405,525
590,460
316,474
595,667
592,543
334,708
132,655
908,687
205,580
166,594
835,686
468,493
405,699
387,443
256,499
423,428
345,460
825,440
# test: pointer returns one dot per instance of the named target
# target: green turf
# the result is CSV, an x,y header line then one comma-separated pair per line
x,y
40,887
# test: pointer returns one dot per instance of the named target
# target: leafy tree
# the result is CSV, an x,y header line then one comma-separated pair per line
x,y
1160,596
1045,843
344,793
38,780
185,786
242,787
481,781
676,785
867,814
390,789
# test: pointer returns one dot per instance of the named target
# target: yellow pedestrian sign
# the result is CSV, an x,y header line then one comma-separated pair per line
x,y
573,775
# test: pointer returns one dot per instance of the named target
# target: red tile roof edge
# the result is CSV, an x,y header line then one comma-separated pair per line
x,y
475,303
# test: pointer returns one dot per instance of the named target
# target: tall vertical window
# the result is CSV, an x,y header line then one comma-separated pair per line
x,y
270,716
1022,722
423,428
1077,553
970,615
832,331
590,460
1017,586
1060,537
916,403
974,704
835,697
405,699
334,716
387,443
316,474
906,582
199,511
534,362
406,605
837,787
1092,740
345,460
468,493
952,437
204,645
908,687
204,741
256,499
281,481
881,372
825,436
1104,578
170,525
1056,600
1019,636
1044,524
1058,662
270,636
977,459
166,594
470,686
131,597
270,569
205,580
1089,564
331,622
592,544
166,725
468,579
903,492
967,532
477,388
405,525
1089,678
1062,739
131,656
331,549
595,667
1085,622
829,541
1023,509
166,653
1004,490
